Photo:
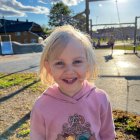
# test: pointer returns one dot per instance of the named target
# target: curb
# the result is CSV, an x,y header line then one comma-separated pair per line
x,y
128,77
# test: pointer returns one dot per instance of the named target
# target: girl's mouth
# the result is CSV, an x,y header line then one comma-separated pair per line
x,y
69,81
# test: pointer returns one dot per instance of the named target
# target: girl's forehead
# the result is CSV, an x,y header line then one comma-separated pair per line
x,y
71,47
74,45
71,44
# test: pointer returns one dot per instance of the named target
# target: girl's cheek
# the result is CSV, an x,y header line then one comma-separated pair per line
x,y
83,69
57,72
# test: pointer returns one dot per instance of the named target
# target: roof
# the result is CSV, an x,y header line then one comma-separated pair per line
x,y
9,22
20,27
16,26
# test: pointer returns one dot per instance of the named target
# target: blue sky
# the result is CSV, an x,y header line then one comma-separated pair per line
x,y
100,12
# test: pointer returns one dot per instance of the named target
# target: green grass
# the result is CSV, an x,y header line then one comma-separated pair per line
x,y
23,133
16,79
123,48
127,48
24,130
130,122
20,79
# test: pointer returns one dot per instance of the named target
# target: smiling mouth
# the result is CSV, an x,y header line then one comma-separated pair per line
x,y
69,81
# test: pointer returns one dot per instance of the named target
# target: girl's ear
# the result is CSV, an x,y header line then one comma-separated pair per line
x,y
47,66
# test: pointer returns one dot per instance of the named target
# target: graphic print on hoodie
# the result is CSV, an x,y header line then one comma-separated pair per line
x,y
76,129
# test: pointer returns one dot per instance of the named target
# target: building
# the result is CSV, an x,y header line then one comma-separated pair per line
x,y
21,31
120,33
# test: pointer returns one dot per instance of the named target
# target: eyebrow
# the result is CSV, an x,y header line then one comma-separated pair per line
x,y
73,59
80,57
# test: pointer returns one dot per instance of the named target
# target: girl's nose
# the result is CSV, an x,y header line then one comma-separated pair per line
x,y
69,69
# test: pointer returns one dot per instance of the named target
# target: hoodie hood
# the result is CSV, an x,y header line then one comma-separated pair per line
x,y
54,92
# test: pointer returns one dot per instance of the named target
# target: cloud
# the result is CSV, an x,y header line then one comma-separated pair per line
x,y
67,2
71,2
7,11
42,1
15,8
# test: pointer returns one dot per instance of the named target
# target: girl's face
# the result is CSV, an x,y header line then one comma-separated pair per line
x,y
69,69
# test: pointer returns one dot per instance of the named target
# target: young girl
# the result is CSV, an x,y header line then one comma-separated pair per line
x,y
71,108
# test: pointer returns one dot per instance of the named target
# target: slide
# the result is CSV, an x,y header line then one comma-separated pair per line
x,y
6,47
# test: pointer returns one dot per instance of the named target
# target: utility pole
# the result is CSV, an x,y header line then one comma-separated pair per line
x,y
135,33
87,16
90,28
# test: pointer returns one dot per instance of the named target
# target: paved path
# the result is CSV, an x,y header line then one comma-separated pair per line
x,y
120,75
120,78
119,64
20,63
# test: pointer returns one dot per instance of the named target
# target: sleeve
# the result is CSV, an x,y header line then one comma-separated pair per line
x,y
37,125
107,131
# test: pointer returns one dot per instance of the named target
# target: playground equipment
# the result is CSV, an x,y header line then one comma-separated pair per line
x,y
87,12
6,44
119,31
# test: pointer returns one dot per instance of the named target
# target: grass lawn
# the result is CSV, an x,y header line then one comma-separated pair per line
x,y
122,48
127,48
18,93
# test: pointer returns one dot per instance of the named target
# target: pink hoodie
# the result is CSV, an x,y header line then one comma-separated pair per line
x,y
85,116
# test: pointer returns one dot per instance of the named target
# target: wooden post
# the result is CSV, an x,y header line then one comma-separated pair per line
x,y
135,35
87,16
91,28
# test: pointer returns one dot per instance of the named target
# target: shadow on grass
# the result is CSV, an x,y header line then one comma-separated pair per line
x,y
17,92
31,67
10,131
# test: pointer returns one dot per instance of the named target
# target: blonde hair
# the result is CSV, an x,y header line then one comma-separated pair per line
x,y
57,41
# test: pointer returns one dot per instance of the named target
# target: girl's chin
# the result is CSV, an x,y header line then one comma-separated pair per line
x,y
70,91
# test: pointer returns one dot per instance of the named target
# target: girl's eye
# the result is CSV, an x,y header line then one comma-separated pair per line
x,y
77,62
59,64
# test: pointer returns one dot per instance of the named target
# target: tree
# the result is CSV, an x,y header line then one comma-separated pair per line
x,y
46,30
80,22
58,12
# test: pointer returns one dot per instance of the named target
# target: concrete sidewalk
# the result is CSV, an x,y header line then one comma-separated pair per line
x,y
120,78
119,64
